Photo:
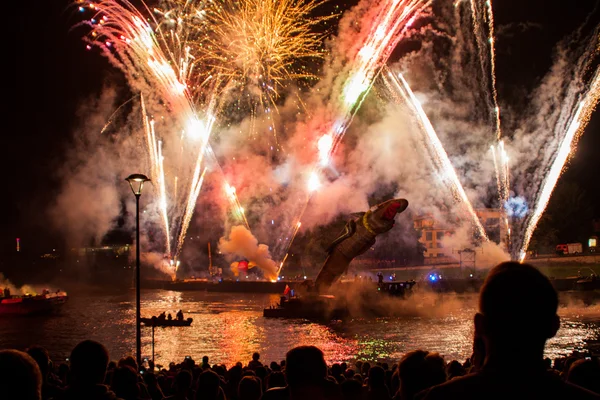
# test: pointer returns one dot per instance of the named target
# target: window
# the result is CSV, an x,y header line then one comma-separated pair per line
x,y
439,245
430,245
439,235
441,255
428,236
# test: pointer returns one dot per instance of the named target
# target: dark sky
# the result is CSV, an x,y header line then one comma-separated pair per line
x,y
50,73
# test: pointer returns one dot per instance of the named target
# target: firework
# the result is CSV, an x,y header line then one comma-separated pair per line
x,y
250,47
261,44
235,204
435,147
568,143
386,29
147,57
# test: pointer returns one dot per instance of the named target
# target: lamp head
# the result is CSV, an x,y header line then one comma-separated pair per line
x,y
136,181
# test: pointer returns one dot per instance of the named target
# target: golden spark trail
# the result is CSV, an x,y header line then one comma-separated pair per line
x,y
191,205
163,195
157,171
235,203
498,182
440,158
568,144
158,63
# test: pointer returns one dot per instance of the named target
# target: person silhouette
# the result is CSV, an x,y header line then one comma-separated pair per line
x,y
20,376
306,375
517,315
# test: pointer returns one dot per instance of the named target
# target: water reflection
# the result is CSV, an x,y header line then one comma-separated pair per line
x,y
230,327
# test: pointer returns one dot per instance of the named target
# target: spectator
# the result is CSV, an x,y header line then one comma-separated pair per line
x,y
235,376
517,314
124,383
377,390
275,379
205,365
249,388
154,389
183,386
419,370
41,357
89,360
352,390
364,369
454,369
585,373
306,373
274,366
336,372
255,363
20,376
209,386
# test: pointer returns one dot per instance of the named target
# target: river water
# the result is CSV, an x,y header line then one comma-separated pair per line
x,y
230,327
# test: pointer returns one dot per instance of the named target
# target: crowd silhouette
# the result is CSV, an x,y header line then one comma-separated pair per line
x,y
517,315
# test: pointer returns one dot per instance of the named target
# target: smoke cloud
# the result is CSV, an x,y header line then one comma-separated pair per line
x,y
268,156
242,243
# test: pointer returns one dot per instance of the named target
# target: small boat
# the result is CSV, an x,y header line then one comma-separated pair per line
x,y
154,321
29,305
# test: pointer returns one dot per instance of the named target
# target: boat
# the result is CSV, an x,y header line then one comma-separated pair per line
x,y
154,321
315,307
30,305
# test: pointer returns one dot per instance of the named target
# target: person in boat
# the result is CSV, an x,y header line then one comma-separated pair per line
x,y
179,315
7,292
162,316
169,317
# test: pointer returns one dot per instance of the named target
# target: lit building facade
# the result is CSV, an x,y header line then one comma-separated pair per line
x,y
433,233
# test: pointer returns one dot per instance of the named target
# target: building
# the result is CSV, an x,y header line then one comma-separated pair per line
x,y
433,232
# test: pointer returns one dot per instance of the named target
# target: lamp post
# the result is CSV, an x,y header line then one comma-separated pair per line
x,y
136,181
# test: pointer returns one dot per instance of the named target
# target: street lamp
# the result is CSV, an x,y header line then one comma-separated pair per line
x,y
136,181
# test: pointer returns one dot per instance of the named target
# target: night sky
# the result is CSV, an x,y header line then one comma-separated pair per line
x,y
50,73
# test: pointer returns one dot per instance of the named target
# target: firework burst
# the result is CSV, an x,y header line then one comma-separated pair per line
x,y
262,45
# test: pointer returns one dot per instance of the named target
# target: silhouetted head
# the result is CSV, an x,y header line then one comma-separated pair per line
x,y
419,370
89,360
124,383
41,357
352,389
336,369
150,379
261,372
255,356
183,381
130,362
365,369
305,365
208,385
274,366
205,360
376,377
20,376
517,309
455,369
585,373
276,379
249,388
